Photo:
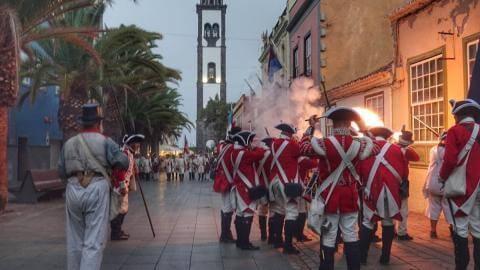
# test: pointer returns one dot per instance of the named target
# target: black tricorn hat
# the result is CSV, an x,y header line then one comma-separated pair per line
x,y
267,141
287,128
383,132
91,114
135,138
467,106
342,114
244,138
233,131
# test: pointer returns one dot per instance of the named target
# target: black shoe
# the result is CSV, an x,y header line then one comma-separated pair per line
x,y
119,237
388,233
405,237
125,234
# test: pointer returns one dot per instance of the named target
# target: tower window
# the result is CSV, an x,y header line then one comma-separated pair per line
x,y
216,30
207,31
212,73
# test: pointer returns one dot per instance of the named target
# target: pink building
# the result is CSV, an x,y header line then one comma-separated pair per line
x,y
305,33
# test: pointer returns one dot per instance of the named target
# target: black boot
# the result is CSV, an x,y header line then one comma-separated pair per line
x,y
122,217
301,220
116,229
365,239
271,230
290,229
238,223
462,256
226,234
247,227
327,258
388,233
476,252
279,220
262,222
352,254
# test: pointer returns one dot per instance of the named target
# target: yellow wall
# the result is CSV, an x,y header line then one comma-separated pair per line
x,y
417,38
358,38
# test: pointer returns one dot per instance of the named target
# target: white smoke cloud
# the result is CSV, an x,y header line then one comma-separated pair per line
x,y
279,102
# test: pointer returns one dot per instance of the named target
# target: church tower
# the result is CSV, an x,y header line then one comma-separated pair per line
x,y
211,63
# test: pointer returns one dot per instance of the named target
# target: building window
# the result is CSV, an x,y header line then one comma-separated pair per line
x,y
296,67
207,31
308,55
211,73
375,104
427,92
472,48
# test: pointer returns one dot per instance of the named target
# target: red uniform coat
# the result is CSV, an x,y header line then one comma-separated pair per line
x,y
247,168
410,156
457,138
221,182
288,160
121,178
344,198
263,170
384,183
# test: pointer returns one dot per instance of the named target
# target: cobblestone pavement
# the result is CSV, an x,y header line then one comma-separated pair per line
x,y
186,220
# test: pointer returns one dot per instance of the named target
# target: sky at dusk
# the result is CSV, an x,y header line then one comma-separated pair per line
x,y
177,21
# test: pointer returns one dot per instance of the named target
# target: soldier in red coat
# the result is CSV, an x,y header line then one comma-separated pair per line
x,y
381,178
466,208
405,141
305,165
286,188
341,153
263,171
223,183
247,188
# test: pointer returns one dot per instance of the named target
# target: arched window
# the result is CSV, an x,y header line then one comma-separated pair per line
x,y
207,30
212,73
216,30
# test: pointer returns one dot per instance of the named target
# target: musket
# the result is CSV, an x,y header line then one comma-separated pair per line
x,y
326,95
138,182
266,131
427,126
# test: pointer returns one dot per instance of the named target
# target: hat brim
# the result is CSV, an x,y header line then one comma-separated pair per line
x,y
343,114
84,121
383,132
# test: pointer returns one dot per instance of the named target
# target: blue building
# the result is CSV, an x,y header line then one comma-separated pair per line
x,y
34,135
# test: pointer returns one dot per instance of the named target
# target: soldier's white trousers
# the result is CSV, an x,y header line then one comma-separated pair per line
x,y
348,226
283,205
471,222
227,205
402,225
87,223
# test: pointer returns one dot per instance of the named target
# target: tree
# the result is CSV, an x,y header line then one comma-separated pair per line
x,y
21,23
215,116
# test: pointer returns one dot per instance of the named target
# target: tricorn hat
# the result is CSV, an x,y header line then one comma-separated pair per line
x,y
406,138
467,106
342,113
267,141
135,138
383,132
91,114
233,131
244,138
287,128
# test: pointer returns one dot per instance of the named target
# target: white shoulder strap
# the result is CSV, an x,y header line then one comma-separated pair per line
x,y
469,144
376,164
275,161
349,156
242,177
92,158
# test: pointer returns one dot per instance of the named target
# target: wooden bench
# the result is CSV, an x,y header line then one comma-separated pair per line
x,y
38,183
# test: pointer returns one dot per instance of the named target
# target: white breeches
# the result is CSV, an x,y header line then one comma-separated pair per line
x,y
347,224
437,205
227,206
262,209
283,205
471,222
402,225
87,212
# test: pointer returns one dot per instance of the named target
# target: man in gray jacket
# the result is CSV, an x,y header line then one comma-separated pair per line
x,y
84,164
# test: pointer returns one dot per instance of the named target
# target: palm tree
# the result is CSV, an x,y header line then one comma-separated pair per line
x,y
21,23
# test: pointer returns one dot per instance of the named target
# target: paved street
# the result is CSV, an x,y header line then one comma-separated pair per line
x,y
186,220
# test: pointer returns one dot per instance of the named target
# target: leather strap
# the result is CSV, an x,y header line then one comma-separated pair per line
x,y
275,162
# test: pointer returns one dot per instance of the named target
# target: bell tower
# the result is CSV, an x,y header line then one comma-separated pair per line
x,y
211,60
